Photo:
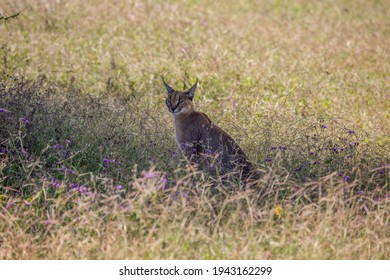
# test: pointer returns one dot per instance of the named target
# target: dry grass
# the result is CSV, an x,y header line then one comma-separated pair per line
x,y
303,86
186,221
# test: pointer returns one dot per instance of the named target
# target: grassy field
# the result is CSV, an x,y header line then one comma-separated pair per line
x,y
89,168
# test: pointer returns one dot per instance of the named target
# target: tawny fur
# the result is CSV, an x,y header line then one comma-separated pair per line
x,y
201,141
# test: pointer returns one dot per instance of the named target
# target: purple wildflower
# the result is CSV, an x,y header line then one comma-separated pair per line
x,y
47,222
23,120
58,147
75,187
2,110
149,175
9,205
182,146
56,184
107,161
83,189
164,177
323,126
347,178
119,187
208,151
268,159
164,181
65,154
273,148
312,153
351,131
63,168
3,151
299,168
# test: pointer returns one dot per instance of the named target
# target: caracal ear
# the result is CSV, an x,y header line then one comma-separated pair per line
x,y
191,92
170,89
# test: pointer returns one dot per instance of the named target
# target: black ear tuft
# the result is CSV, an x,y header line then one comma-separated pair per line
x,y
170,89
191,92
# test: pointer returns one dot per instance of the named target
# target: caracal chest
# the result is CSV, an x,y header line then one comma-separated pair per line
x,y
186,131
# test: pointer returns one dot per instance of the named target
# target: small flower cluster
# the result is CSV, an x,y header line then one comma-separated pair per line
x,y
79,187
107,163
65,169
274,149
24,121
21,119
2,110
283,148
279,212
57,147
61,150
56,183
149,175
164,181
154,178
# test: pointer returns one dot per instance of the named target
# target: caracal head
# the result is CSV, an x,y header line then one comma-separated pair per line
x,y
179,103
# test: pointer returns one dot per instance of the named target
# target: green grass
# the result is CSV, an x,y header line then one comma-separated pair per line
x,y
303,86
